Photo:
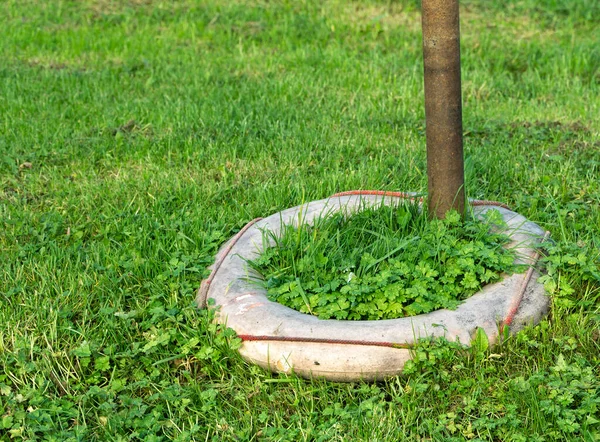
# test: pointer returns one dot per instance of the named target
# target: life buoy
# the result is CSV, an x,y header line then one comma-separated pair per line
x,y
284,340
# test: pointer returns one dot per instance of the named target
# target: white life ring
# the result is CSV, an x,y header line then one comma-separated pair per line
x,y
284,340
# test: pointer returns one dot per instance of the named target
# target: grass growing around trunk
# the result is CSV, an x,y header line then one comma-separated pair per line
x,y
137,136
382,262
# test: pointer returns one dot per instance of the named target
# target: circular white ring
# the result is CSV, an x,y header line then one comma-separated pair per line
x,y
243,305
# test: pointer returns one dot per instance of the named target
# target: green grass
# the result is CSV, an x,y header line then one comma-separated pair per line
x,y
137,136
382,262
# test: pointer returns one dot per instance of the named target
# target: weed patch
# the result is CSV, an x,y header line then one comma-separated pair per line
x,y
383,263
565,395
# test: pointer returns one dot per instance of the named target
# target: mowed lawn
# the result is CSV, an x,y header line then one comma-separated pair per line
x,y
137,136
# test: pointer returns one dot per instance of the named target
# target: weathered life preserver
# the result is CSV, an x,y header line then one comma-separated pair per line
x,y
284,340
